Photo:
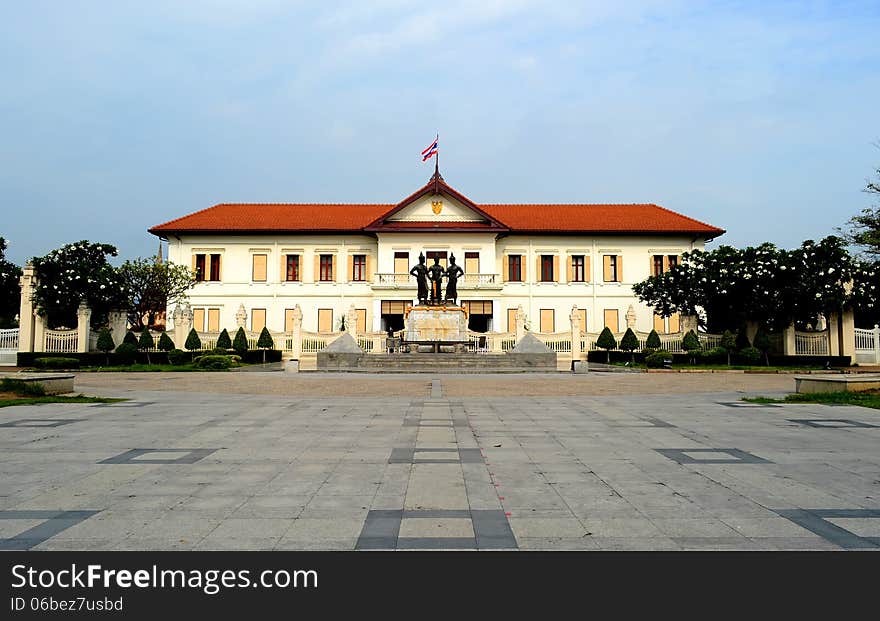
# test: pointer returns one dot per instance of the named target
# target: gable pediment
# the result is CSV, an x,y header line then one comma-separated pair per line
x,y
436,208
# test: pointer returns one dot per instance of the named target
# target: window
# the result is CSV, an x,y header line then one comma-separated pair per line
x,y
547,268
471,262
288,319
435,254
215,267
611,271
578,270
611,319
200,267
258,319
511,320
213,320
359,267
361,320
199,319
548,320
657,265
673,260
514,268
401,267
326,268
207,267
292,268
258,267
325,320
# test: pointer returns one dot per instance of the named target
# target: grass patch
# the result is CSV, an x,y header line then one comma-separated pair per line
x,y
864,398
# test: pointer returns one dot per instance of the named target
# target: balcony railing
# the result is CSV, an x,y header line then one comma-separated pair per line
x,y
468,281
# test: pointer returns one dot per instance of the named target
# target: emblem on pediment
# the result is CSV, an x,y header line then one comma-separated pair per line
x,y
436,207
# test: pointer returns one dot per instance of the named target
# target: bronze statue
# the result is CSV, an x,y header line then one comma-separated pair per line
x,y
452,274
435,275
420,271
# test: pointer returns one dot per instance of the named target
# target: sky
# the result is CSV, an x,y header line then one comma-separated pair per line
x,y
757,117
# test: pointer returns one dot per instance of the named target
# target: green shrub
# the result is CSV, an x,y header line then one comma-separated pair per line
x,y
658,359
629,342
607,342
56,363
165,342
728,343
178,357
750,355
223,341
691,344
240,343
105,341
653,341
714,355
193,342
146,343
126,354
219,351
265,342
214,363
130,338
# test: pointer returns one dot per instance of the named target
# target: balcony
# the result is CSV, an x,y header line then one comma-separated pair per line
x,y
466,282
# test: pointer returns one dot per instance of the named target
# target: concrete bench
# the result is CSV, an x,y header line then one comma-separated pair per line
x,y
835,383
53,383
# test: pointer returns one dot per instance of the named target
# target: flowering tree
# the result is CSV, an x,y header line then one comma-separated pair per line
x,y
150,285
764,284
74,273
10,294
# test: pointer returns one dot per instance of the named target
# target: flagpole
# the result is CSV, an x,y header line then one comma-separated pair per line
x,y
437,160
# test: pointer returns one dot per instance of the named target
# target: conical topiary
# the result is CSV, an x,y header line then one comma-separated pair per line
x,y
240,342
146,343
691,343
653,341
193,342
223,341
607,342
130,338
265,342
629,342
165,342
728,343
105,343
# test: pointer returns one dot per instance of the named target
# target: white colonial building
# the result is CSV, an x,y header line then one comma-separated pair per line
x,y
327,262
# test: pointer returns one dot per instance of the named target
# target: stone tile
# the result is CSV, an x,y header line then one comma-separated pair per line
x,y
547,527
436,527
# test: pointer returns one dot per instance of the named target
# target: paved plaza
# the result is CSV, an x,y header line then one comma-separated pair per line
x,y
602,461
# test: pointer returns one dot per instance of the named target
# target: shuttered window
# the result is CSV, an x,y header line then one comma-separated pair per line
x,y
292,268
395,307
258,319
471,262
478,307
325,273
514,268
361,320
213,320
548,320
612,321
612,268
199,319
325,320
288,319
511,320
258,267
359,267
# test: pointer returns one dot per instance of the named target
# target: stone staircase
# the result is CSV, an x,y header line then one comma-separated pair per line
x,y
443,363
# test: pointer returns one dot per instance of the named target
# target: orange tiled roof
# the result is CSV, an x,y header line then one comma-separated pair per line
x,y
526,218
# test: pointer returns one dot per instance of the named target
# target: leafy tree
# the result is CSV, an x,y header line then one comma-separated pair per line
x,y
130,338
150,285
653,341
74,273
105,343
607,342
864,229
146,343
728,343
240,343
265,342
223,341
762,344
691,343
165,342
193,342
629,342
10,292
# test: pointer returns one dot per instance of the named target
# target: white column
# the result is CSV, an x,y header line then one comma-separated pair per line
x,y
39,332
833,340
847,332
296,344
351,320
83,325
575,320
26,324
118,321
183,322
788,341
876,344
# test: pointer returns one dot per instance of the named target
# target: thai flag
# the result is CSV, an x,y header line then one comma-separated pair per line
x,y
430,151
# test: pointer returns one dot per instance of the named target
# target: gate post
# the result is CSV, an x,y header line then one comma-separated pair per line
x,y
26,323
39,332
788,341
876,337
296,343
83,324
575,319
183,323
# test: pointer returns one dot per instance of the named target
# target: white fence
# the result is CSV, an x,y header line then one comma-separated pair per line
x,y
60,341
811,343
867,348
8,347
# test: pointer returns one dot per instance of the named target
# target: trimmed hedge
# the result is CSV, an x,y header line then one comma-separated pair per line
x,y
216,363
598,355
56,363
98,359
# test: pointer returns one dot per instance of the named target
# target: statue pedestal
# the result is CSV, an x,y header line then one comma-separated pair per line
x,y
433,324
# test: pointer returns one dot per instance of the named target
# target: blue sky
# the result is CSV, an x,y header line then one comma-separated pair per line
x,y
758,117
